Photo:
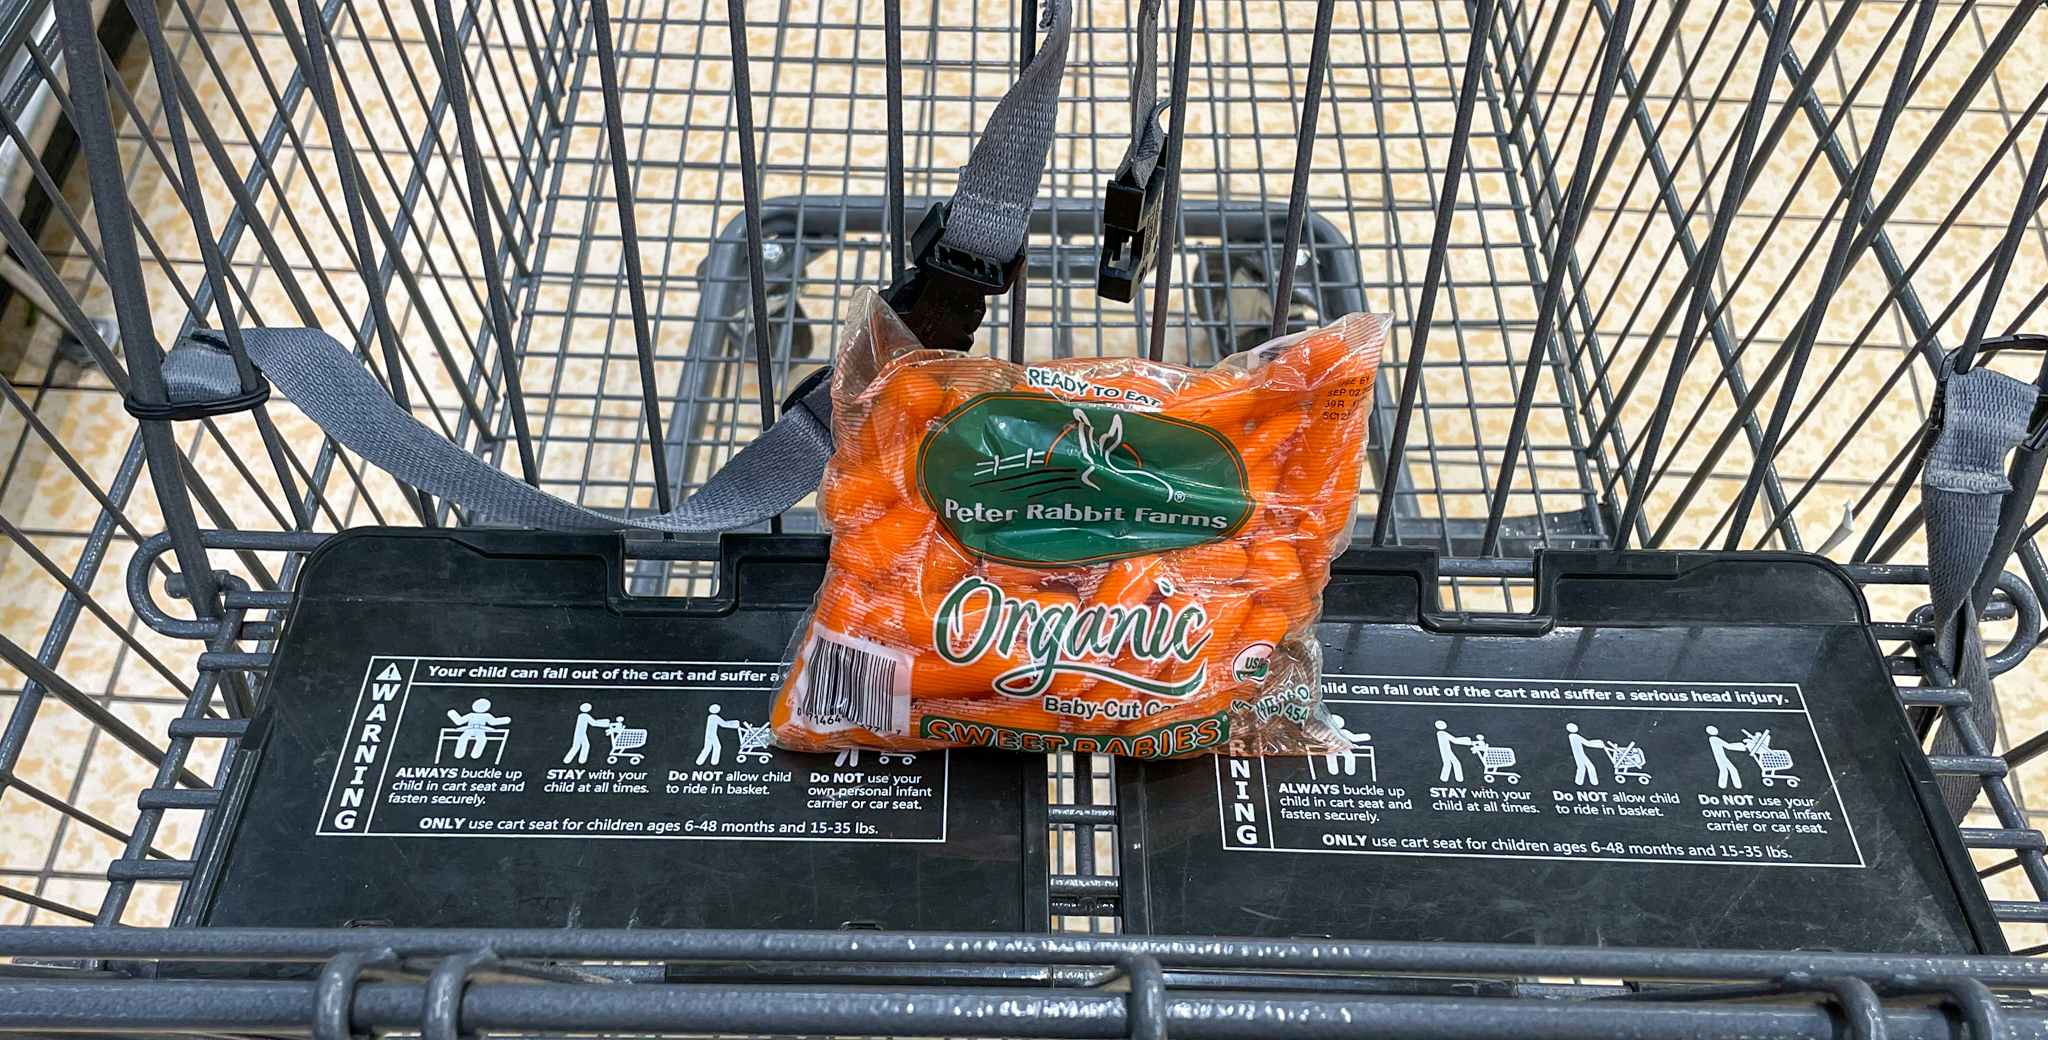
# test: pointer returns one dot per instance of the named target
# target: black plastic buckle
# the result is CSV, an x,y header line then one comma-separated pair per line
x,y
1130,231
178,411
943,294
985,275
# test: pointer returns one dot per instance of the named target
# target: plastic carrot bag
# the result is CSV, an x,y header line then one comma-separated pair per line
x,y
1093,554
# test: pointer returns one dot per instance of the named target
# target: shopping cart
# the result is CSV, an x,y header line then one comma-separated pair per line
x,y
1771,761
626,742
1665,275
1496,762
1627,760
756,743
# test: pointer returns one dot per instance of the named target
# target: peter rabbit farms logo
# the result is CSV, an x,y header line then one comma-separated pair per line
x,y
1034,480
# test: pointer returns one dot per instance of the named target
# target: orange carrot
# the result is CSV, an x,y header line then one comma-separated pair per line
x,y
1217,563
1131,581
875,551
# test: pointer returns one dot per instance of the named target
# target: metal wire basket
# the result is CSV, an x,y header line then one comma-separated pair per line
x,y
1666,275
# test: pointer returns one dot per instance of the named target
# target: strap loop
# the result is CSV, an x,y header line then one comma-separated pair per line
x,y
813,394
1131,200
970,248
1980,416
200,382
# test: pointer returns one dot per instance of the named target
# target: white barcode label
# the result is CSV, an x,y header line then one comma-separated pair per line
x,y
850,682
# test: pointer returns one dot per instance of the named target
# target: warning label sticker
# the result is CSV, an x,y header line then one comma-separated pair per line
x,y
465,747
1550,769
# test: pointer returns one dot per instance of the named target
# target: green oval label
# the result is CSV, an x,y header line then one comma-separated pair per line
x,y
1038,481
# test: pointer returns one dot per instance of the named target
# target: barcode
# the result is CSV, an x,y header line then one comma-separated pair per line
x,y
852,682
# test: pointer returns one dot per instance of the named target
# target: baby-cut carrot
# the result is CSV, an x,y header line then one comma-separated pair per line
x,y
1213,564
1294,601
905,607
1221,405
1263,624
1274,563
910,400
842,602
1017,580
1131,582
853,494
875,551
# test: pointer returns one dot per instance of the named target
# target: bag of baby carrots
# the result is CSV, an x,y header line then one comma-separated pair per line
x,y
1092,554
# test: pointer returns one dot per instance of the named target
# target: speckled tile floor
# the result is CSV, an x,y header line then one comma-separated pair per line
x,y
1394,69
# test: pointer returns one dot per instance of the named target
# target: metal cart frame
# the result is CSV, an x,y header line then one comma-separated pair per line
x,y
1581,222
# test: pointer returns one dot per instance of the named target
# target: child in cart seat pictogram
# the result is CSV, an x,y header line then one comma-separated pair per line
x,y
1344,758
474,732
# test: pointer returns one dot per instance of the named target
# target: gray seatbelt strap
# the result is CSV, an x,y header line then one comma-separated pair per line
x,y
1148,138
983,235
992,203
970,247
1984,416
332,387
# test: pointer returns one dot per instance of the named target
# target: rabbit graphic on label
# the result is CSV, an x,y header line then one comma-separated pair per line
x,y
1098,451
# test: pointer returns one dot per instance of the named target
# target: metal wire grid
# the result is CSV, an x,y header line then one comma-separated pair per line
x,y
824,214
1394,74
62,792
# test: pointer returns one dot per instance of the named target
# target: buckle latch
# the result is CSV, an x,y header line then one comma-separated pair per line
x,y
1130,231
943,294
